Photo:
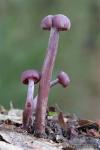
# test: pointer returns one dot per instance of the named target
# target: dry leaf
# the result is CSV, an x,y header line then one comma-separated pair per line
x,y
85,122
62,121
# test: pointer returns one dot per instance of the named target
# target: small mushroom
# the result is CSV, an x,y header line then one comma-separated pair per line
x,y
29,77
62,79
54,24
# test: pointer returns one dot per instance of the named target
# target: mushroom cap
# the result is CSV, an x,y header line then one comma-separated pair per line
x,y
61,22
46,23
63,79
30,74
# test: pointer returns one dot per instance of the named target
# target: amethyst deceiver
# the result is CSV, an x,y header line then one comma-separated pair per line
x,y
55,24
29,77
62,78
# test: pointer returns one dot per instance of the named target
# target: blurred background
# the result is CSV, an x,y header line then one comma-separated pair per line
x,y
23,45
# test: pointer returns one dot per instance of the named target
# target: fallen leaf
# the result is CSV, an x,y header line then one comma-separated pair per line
x,y
62,121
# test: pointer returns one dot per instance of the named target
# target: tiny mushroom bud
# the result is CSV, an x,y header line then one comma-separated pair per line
x,y
54,24
29,77
62,78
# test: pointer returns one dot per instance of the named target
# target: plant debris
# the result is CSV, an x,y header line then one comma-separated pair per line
x,y
66,130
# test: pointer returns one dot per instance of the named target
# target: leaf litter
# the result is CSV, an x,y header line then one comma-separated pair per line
x,y
67,131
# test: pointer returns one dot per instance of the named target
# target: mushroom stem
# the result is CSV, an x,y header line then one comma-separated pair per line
x,y
62,79
28,109
54,82
44,86
34,104
30,91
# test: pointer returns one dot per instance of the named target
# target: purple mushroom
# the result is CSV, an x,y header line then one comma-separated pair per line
x,y
55,24
29,77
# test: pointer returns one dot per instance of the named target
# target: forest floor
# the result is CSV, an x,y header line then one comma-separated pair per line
x,y
63,132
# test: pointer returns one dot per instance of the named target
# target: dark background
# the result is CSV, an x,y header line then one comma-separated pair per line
x,y
23,45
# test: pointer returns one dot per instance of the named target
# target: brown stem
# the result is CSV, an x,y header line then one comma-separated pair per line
x,y
44,86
